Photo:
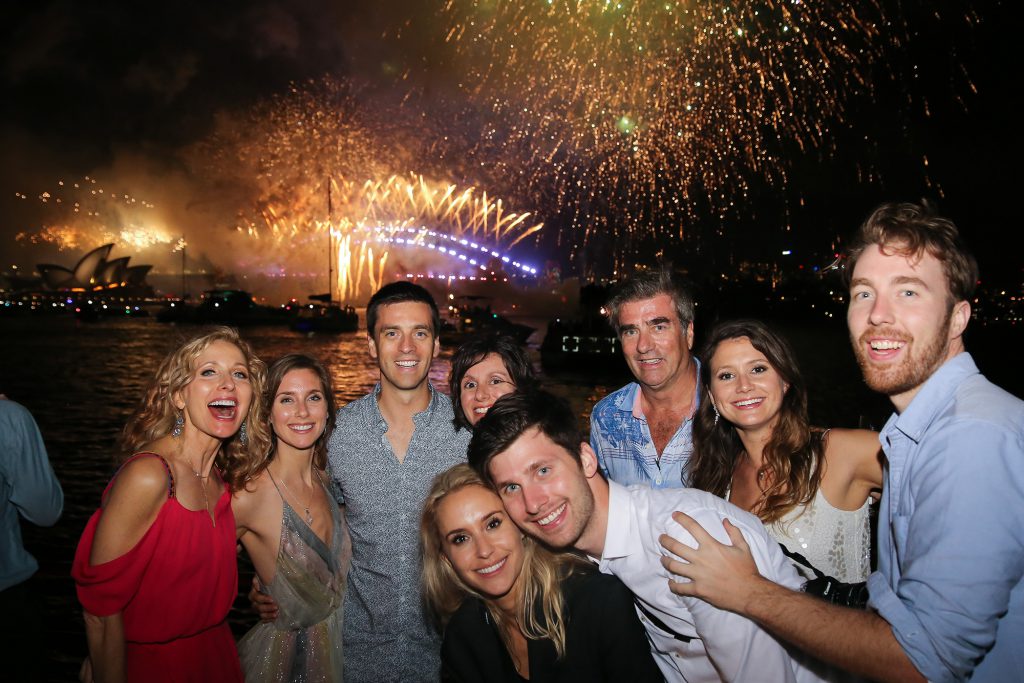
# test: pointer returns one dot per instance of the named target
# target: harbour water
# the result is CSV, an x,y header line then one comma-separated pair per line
x,y
81,381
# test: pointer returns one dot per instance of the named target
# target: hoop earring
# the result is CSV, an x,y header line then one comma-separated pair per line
x,y
243,437
179,422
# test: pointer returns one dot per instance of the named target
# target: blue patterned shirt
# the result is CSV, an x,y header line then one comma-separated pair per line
x,y
387,636
622,440
950,577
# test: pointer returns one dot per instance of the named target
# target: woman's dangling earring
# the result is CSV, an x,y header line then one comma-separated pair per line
x,y
242,436
179,422
715,408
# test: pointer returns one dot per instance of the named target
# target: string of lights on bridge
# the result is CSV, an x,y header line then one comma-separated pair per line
x,y
391,235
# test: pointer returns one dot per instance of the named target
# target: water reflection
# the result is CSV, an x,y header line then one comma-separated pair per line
x,y
81,381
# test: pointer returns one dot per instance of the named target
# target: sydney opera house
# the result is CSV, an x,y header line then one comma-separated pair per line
x,y
94,280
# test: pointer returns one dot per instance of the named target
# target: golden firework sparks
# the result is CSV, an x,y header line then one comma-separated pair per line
x,y
628,112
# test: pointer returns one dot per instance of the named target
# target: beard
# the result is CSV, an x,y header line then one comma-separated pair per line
x,y
914,369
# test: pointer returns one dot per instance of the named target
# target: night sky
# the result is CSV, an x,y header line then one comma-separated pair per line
x,y
124,93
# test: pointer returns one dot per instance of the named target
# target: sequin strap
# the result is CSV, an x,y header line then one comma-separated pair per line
x,y
167,467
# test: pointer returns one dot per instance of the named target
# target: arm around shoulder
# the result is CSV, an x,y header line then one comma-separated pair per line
x,y
726,576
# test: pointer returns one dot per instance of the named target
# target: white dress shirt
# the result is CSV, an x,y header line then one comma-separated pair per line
x,y
724,645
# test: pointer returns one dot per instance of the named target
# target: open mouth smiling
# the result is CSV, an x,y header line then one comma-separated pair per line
x,y
223,408
494,567
552,516
748,403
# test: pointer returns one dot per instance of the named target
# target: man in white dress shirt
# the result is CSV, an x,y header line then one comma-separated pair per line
x,y
529,449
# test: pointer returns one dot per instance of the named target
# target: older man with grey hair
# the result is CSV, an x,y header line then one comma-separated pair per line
x,y
642,433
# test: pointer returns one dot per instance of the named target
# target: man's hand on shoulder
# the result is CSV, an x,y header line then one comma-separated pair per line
x,y
723,575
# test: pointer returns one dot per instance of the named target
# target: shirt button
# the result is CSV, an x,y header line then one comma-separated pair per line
x,y
658,480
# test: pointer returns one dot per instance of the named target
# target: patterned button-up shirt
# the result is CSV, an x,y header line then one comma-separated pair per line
x,y
621,438
387,636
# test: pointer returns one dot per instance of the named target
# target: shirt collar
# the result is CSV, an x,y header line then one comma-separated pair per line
x,y
622,538
630,400
377,418
933,397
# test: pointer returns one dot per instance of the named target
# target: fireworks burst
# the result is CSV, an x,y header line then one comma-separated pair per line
x,y
632,112
302,167
84,215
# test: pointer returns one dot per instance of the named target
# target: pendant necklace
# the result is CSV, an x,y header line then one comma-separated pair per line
x,y
202,485
309,515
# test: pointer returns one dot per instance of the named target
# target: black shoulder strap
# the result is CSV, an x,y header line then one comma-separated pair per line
x,y
659,623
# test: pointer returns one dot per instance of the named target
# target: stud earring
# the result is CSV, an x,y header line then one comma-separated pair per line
x,y
243,437
179,422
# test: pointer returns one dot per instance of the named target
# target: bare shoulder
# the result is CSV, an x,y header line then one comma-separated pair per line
x,y
843,441
143,483
254,501
856,451
138,493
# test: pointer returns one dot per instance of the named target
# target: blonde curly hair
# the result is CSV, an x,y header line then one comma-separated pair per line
x,y
155,416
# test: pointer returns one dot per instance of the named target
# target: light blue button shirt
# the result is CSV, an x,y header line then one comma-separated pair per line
x,y
951,528
625,450
28,490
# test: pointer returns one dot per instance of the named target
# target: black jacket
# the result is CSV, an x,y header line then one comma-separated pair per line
x,y
605,640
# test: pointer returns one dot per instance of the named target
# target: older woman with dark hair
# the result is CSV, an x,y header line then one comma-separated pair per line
x,y
484,369
754,446
155,568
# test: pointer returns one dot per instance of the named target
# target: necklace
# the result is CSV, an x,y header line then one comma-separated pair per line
x,y
312,491
202,486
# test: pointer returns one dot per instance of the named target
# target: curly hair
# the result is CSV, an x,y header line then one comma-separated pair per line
x,y
155,416
911,230
473,351
792,456
541,576
249,468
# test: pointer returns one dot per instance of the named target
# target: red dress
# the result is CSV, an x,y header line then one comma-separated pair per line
x,y
174,590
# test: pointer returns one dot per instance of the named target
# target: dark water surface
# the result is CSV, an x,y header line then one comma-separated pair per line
x,y
81,381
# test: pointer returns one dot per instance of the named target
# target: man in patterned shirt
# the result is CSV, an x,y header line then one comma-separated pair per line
x,y
385,451
642,432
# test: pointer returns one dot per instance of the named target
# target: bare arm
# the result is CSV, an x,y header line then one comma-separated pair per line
x,y
105,636
862,451
726,576
129,511
258,518
135,499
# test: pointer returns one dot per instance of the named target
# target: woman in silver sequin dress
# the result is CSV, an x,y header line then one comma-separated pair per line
x,y
294,532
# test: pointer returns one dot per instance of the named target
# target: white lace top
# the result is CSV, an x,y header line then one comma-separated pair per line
x,y
837,542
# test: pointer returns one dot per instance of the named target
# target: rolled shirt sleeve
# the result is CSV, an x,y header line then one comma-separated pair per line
x,y
957,547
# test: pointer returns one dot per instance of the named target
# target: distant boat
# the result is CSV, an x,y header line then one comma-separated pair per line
x,y
472,315
324,317
223,307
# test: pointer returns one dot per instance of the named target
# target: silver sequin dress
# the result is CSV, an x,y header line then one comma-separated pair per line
x,y
304,644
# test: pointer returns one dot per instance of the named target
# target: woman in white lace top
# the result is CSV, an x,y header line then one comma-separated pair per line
x,y
753,445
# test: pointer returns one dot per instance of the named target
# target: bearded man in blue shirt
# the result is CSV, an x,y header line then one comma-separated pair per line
x,y
947,601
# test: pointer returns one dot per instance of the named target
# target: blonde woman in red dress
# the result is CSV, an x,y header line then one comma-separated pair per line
x,y
155,569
